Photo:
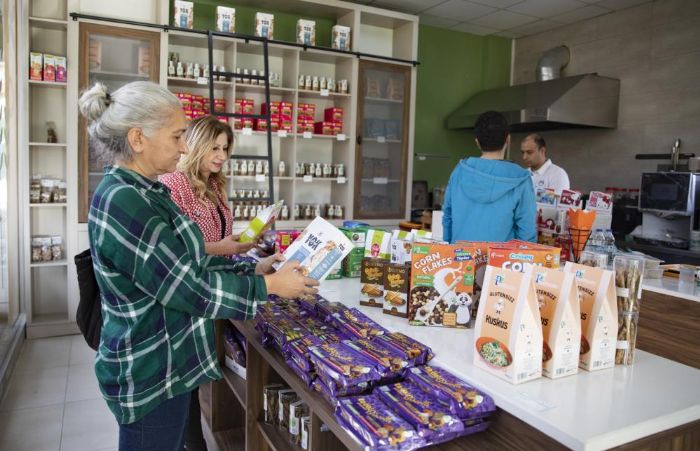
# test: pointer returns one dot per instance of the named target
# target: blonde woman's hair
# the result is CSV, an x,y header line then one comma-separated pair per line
x,y
201,136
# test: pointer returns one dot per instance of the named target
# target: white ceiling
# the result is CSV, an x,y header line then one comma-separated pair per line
x,y
507,18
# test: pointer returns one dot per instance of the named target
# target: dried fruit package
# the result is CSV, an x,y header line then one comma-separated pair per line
x,y
465,401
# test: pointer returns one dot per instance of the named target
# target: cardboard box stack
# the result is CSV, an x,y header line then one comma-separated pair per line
x,y
196,106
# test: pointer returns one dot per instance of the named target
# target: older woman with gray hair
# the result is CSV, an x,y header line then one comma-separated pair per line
x,y
158,287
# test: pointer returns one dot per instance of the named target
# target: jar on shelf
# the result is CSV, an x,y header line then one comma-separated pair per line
x,y
327,171
46,196
251,167
308,83
35,190
281,169
61,192
307,211
296,211
57,251
36,249
285,213
319,170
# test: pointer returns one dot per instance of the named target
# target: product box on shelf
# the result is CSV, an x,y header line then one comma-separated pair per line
x,y
520,256
49,67
184,14
396,282
372,282
264,25
324,128
285,123
401,245
570,198
599,201
337,128
273,108
598,301
377,244
508,331
306,32
353,262
340,37
481,258
557,295
286,109
305,126
61,69
36,65
333,114
225,19
442,285
551,219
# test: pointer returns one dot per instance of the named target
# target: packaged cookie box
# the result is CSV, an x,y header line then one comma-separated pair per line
x,y
396,281
264,25
372,282
442,285
340,37
521,256
183,14
225,19
306,32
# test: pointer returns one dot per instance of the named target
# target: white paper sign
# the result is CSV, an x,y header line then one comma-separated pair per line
x,y
202,81
282,133
307,135
325,93
341,137
247,131
308,178
259,178
380,180
341,180
381,139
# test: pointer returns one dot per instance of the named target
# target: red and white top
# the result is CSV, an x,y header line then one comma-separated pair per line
x,y
202,211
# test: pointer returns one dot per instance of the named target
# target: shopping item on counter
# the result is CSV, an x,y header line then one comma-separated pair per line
x,y
225,19
344,366
263,221
266,314
286,398
557,295
283,330
416,352
298,350
327,309
318,249
339,391
184,14
570,198
340,37
321,388
545,196
389,362
508,330
629,271
372,282
284,238
401,245
442,284
431,418
596,288
306,32
481,259
594,259
396,282
377,425
353,262
377,244
264,25
309,304
551,219
315,327
297,410
271,402
356,324
580,226
521,256
465,401
599,201
306,376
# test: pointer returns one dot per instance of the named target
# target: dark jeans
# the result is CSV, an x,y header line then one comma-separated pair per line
x,y
194,437
162,429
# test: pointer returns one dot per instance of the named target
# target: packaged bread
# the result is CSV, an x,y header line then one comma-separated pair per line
x,y
508,330
598,301
557,295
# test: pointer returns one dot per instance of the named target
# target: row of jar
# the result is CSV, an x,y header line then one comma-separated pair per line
x,y
249,210
275,80
262,167
47,190
47,248
316,83
327,170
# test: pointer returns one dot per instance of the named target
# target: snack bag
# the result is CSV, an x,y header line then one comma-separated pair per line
x,y
345,367
261,223
356,324
390,363
372,282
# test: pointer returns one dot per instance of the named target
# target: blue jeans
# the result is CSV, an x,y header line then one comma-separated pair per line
x,y
162,429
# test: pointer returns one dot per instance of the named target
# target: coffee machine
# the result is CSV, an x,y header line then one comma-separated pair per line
x,y
667,201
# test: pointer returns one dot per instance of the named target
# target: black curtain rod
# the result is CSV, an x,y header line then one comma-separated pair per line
x,y
245,37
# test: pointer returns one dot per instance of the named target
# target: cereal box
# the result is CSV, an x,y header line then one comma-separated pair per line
x,y
184,14
557,296
508,331
481,258
520,256
340,37
36,65
372,282
225,19
597,297
264,25
396,282
306,32
49,67
61,74
377,244
442,284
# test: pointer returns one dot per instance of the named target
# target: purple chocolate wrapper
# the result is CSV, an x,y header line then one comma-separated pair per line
x,y
321,388
376,424
304,375
316,327
463,400
285,330
233,349
355,323
338,362
431,418
390,363
327,309
310,305
299,350
240,338
336,391
416,352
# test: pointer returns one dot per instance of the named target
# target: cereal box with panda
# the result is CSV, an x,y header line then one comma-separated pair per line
x,y
442,285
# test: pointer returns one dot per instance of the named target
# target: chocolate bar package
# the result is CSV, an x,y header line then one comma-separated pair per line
x,y
377,424
233,348
372,282
316,327
432,419
304,375
464,400
355,323
321,388
285,330
338,391
299,350
390,363
327,309
416,352
337,362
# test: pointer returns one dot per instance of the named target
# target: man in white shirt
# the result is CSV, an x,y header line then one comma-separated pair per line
x,y
545,174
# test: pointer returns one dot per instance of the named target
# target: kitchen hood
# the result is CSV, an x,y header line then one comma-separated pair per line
x,y
580,101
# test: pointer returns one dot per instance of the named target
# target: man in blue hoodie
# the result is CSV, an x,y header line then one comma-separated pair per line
x,y
488,199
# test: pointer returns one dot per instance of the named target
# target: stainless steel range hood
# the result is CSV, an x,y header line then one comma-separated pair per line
x,y
572,102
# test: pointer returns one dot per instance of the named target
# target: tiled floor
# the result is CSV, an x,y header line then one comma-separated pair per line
x,y
53,401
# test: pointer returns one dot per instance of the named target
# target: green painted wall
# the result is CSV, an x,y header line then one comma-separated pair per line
x,y
453,67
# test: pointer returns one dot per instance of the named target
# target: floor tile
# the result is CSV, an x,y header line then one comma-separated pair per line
x,y
89,426
80,352
82,383
44,353
37,429
36,388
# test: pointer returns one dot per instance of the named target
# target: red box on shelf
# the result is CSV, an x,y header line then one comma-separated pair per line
x,y
285,122
274,123
185,99
323,128
274,108
286,109
197,102
337,127
188,113
260,125
333,114
219,105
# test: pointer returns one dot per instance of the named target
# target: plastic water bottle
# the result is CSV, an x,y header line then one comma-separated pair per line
x,y
610,247
596,242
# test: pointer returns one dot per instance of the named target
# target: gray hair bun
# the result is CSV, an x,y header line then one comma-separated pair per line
x,y
94,101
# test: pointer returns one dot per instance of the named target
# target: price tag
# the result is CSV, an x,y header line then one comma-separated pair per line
x,y
341,180
325,93
380,180
202,81
259,178
307,135
308,178
247,131
381,139
282,133
341,137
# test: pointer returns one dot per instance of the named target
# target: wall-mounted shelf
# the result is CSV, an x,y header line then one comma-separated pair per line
x,y
49,264
47,84
48,23
112,75
48,205
194,83
41,144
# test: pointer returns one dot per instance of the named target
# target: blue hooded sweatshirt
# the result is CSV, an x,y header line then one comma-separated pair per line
x,y
489,200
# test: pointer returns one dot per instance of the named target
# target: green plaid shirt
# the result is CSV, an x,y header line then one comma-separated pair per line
x,y
159,291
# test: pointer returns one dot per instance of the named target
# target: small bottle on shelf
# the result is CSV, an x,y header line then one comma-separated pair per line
x,y
296,211
302,82
171,68
285,213
205,72
266,168
180,71
281,169
190,70
195,71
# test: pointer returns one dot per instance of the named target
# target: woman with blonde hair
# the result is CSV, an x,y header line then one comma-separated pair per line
x,y
198,185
